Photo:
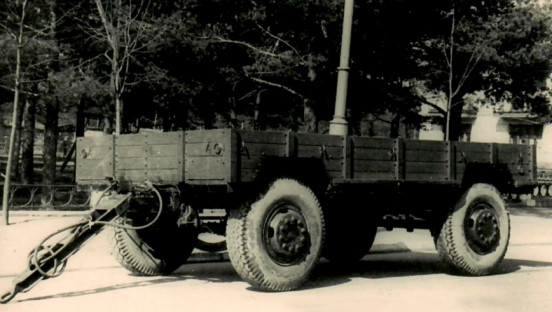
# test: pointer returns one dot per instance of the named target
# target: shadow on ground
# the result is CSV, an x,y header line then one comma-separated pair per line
x,y
377,266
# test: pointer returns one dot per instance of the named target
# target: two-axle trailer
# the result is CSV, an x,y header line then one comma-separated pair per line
x,y
288,199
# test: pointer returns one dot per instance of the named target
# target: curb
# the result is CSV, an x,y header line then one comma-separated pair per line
x,y
46,213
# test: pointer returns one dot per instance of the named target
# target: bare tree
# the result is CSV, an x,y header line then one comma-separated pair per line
x,y
17,82
124,31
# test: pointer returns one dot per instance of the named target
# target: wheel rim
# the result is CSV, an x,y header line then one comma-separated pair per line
x,y
482,228
285,234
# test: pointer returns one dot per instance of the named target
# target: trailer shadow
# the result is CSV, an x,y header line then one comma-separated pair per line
x,y
326,274
401,264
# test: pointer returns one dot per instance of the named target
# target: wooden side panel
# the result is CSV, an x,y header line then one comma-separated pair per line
x,y
519,159
95,159
329,148
165,157
426,160
208,156
156,157
254,145
469,152
373,158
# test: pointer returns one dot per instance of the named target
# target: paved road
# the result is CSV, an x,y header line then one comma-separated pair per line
x,y
403,275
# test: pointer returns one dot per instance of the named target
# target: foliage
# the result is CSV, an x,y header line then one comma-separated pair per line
x,y
208,63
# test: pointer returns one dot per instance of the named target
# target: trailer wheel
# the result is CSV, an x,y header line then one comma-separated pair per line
x,y
474,237
156,250
275,242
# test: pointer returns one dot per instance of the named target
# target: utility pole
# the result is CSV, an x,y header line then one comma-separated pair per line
x,y
338,125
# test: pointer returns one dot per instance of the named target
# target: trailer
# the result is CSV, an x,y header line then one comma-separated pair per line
x,y
283,200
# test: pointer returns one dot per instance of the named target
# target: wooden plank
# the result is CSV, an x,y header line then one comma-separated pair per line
x,y
439,168
157,163
94,152
130,139
165,175
373,154
347,150
250,163
373,166
132,175
425,156
101,140
430,146
164,138
473,147
514,159
267,149
451,160
206,149
374,176
318,139
372,143
164,150
274,137
130,163
130,151
204,136
333,152
426,177
291,144
205,168
399,159
94,169
233,158
472,157
513,148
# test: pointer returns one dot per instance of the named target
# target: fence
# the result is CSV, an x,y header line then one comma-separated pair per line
x,y
49,197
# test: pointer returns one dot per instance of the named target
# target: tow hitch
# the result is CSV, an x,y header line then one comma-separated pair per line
x,y
49,261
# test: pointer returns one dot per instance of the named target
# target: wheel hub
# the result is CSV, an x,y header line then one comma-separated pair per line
x,y
482,229
286,235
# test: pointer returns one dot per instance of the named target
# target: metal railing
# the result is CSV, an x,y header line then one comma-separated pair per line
x,y
49,197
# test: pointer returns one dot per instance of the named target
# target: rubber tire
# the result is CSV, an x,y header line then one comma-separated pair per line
x,y
245,244
152,251
452,244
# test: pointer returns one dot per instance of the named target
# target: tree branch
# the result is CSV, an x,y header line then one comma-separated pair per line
x,y
250,46
277,85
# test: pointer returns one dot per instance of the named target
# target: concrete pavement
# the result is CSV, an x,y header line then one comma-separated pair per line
x,y
404,273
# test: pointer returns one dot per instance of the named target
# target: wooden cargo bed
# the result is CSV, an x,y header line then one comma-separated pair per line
x,y
219,157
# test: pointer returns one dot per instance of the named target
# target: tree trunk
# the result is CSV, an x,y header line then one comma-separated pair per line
x,y
259,118
17,81
17,139
310,121
50,139
395,126
27,143
455,122
81,120
49,153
